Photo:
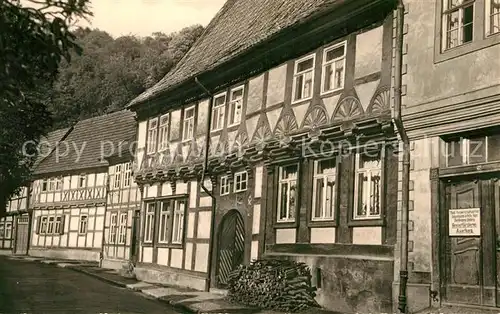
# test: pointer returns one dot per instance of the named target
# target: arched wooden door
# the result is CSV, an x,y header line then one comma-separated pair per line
x,y
231,246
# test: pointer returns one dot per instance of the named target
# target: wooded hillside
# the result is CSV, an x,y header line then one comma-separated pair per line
x,y
111,72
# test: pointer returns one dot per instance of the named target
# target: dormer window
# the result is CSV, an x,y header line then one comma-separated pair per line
x,y
303,78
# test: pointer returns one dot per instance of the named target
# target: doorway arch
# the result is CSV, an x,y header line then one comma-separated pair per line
x,y
231,246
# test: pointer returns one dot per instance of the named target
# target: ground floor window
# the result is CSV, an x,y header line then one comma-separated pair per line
x,y
122,229
169,213
113,226
6,230
50,224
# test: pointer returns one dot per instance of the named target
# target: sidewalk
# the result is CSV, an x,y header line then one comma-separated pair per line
x,y
184,299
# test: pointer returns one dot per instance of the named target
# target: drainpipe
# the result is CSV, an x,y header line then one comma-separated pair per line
x,y
205,189
398,64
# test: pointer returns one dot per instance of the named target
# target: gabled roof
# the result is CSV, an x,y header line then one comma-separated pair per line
x,y
238,26
89,142
48,143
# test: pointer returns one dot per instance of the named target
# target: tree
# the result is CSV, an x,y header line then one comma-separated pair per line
x,y
111,72
34,39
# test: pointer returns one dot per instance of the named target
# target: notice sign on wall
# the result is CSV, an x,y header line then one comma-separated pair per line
x,y
465,222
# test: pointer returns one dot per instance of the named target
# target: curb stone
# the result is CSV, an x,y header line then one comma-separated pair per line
x,y
110,281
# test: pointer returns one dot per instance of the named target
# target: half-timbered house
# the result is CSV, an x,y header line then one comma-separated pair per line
x,y
70,186
15,227
294,98
122,209
451,113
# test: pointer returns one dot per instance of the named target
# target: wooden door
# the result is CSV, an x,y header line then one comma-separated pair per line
x,y
136,229
469,260
231,246
22,235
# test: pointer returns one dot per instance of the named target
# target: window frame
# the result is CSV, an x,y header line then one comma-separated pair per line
x,y
122,228
163,132
488,18
355,219
225,187
113,228
336,201
281,181
43,223
232,102
151,144
444,30
127,176
50,223
149,223
2,230
239,175
190,124
83,185
8,230
297,74
117,177
44,185
215,109
176,232
326,63
83,221
480,39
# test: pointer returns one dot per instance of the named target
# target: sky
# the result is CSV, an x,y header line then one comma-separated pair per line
x,y
143,17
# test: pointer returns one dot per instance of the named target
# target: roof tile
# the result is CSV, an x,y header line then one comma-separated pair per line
x,y
89,142
239,25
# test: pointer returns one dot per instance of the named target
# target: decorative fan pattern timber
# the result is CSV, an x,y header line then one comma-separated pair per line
x,y
286,125
315,118
347,109
240,141
381,101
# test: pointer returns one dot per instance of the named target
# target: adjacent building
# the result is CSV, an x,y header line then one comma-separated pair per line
x,y
122,221
451,111
69,190
15,228
290,103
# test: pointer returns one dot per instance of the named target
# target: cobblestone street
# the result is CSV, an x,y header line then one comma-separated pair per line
x,y
27,287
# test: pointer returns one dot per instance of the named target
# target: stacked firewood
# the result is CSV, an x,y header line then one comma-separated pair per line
x,y
279,285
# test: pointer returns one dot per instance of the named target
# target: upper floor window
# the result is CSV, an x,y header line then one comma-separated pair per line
x,y
218,112
152,136
224,185
82,181
45,185
458,22
188,127
324,189
117,177
333,68
367,186
127,176
287,193
493,16
303,78
163,132
235,106
240,181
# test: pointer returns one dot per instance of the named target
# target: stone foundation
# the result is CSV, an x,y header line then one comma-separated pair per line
x,y
167,276
69,254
